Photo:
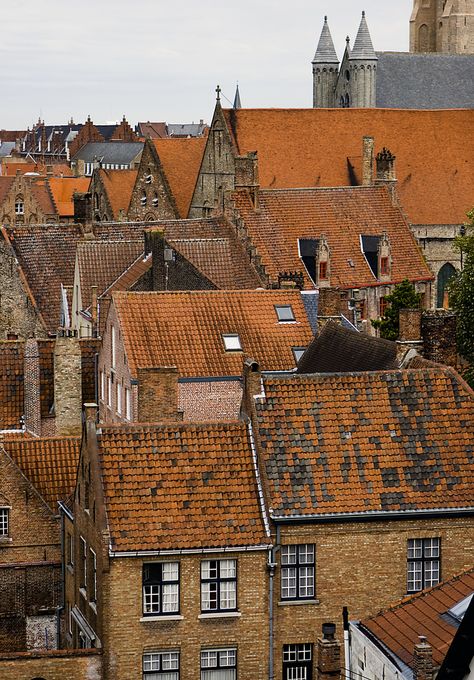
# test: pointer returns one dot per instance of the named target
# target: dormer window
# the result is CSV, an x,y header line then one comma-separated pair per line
x,y
232,342
323,271
307,249
370,247
298,353
384,266
284,313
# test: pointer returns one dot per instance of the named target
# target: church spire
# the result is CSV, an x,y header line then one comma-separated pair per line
x,y
363,48
237,102
325,52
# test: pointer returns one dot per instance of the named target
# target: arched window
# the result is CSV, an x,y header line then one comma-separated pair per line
x,y
346,101
424,38
446,273
143,199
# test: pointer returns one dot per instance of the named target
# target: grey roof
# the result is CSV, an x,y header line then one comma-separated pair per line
x,y
425,81
6,148
237,102
325,52
123,153
185,129
363,48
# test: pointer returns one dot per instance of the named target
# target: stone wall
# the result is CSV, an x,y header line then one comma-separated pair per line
x,y
68,386
54,665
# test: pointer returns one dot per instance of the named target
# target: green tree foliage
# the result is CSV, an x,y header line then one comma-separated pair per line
x,y
461,297
403,296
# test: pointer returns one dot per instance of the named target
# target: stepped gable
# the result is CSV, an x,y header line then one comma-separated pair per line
x,y
180,487
361,444
312,148
119,185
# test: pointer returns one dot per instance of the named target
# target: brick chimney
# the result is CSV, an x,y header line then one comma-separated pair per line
x,y
32,388
368,161
158,395
155,244
423,660
438,330
410,325
329,654
385,173
329,306
252,386
246,176
67,385
82,208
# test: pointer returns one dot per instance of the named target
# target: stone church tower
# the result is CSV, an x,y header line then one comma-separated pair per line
x,y
445,26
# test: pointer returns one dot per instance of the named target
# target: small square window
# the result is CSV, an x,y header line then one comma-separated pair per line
x,y
232,342
285,313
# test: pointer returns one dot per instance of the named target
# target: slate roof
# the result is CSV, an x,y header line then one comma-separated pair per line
x,y
399,627
184,329
50,464
337,349
63,189
123,153
381,442
12,353
181,161
6,148
425,81
119,186
325,51
342,215
311,148
180,487
363,48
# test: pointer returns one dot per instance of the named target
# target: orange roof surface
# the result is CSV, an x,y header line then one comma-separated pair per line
x,y
12,355
399,627
313,147
181,161
119,186
50,464
185,329
180,487
342,215
63,189
381,442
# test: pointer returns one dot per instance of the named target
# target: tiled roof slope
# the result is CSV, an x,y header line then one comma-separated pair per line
x,y
6,184
12,354
340,350
180,487
41,191
46,256
102,262
212,246
367,442
342,215
119,186
63,189
310,147
50,464
181,161
184,329
399,627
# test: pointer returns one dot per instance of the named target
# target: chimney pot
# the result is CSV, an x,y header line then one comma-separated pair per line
x,y
329,631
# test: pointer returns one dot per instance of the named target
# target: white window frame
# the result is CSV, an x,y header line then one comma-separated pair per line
x,y
218,585
128,404
113,346
423,563
297,661
119,398
19,207
94,575
109,391
83,585
162,663
219,664
232,342
161,594
102,385
4,522
298,571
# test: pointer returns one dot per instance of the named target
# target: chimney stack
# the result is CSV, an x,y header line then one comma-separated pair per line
x,y
67,385
32,388
368,162
438,330
423,660
329,654
329,306
158,395
385,173
252,386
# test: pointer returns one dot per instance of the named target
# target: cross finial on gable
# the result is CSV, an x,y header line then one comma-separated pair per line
x,y
218,92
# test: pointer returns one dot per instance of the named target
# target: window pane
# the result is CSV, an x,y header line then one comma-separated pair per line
x,y
228,595
306,554
431,573
414,580
227,657
170,571
208,659
170,661
415,548
432,547
228,568
208,596
209,569
285,313
289,653
220,674
170,598
288,554
151,599
288,582
306,581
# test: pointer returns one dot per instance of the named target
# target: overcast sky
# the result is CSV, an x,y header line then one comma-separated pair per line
x,y
156,60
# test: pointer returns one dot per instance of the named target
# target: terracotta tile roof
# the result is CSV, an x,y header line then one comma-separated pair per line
x,y
312,147
399,627
63,189
12,354
50,464
119,186
182,486
58,169
46,256
367,442
185,330
10,169
181,161
101,263
40,190
212,246
342,215
152,130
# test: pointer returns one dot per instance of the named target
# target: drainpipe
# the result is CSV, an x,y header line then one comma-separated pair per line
x,y
347,645
60,609
271,569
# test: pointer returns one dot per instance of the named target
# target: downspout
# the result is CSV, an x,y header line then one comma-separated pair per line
x,y
347,644
272,564
60,609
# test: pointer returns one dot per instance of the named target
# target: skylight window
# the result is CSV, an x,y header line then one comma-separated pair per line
x,y
298,353
285,313
232,342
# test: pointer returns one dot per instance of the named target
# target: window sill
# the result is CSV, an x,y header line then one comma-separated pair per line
x,y
6,539
293,603
220,615
161,619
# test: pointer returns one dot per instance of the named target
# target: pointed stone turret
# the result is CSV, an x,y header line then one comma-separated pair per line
x,y
363,69
237,102
325,70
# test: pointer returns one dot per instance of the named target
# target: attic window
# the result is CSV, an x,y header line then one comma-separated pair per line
x,y
298,353
284,313
155,200
369,246
232,342
19,207
307,249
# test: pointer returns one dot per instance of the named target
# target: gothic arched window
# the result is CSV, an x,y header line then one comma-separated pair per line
x,y
446,273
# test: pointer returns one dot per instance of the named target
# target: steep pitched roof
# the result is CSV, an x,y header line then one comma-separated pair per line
x,y
41,191
181,161
367,443
63,189
343,215
363,48
399,627
185,329
50,464
180,487
311,147
12,356
340,350
119,186
325,51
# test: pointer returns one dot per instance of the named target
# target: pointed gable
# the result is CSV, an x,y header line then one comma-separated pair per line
x,y
325,52
363,48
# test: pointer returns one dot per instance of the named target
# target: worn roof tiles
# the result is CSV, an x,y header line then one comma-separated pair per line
x,y
63,190
12,355
119,186
181,161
